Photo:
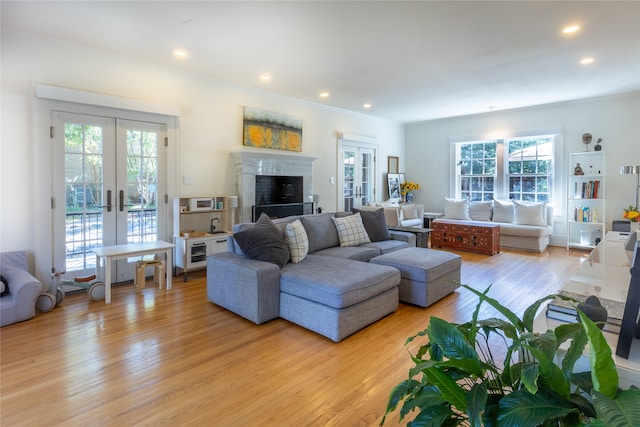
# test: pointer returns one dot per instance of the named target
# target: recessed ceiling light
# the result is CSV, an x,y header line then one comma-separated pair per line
x,y
324,94
366,106
585,61
179,53
265,77
570,29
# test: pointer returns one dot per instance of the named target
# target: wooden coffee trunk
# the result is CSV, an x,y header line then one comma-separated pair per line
x,y
467,236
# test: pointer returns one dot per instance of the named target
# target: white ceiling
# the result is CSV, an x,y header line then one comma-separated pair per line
x,y
414,60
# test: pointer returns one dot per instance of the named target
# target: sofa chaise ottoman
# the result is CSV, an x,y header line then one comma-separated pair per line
x,y
428,275
336,297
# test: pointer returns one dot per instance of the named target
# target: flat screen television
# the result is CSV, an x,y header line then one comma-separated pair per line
x,y
279,189
629,328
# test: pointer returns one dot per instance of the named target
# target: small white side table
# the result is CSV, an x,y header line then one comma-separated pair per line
x,y
114,253
428,216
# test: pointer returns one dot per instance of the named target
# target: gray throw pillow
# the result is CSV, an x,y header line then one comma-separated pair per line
x,y
263,242
375,224
321,231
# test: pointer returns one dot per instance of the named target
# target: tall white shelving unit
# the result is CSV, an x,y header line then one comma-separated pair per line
x,y
586,199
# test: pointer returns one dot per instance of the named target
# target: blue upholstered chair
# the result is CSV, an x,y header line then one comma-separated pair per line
x,y
19,303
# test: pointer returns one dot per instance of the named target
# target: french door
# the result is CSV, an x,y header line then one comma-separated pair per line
x,y
107,186
357,176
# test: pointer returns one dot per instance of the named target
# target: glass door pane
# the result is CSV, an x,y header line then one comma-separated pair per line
x,y
142,186
349,167
84,149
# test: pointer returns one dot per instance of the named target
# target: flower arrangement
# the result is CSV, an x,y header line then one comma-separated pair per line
x,y
408,187
632,214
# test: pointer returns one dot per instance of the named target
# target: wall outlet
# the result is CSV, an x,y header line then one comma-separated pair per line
x,y
332,180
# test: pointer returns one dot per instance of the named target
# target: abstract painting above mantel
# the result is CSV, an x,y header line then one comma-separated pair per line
x,y
266,129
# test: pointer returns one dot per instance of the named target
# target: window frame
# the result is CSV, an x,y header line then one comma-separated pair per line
x,y
501,177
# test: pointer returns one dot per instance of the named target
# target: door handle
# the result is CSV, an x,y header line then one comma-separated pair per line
x,y
108,205
122,205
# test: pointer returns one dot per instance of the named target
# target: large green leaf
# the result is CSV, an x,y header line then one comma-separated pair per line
x,y
476,401
510,315
623,411
433,416
399,392
531,311
529,375
566,331
450,339
462,368
545,342
550,374
523,409
584,403
474,319
450,389
420,366
498,326
427,396
603,369
575,352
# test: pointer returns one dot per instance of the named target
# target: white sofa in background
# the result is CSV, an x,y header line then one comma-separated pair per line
x,y
523,225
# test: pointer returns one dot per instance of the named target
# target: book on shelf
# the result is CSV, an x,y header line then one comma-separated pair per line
x,y
572,318
565,310
587,190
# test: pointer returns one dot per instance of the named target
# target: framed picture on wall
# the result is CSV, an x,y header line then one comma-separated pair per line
x,y
393,182
392,164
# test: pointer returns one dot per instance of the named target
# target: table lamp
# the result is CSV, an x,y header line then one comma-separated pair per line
x,y
632,170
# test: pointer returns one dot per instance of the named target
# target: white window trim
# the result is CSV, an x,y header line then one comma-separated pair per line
x,y
500,186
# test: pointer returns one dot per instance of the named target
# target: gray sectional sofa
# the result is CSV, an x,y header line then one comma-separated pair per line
x,y
333,290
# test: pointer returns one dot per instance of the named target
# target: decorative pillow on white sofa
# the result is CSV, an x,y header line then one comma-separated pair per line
x,y
529,213
503,211
480,211
351,231
456,208
297,239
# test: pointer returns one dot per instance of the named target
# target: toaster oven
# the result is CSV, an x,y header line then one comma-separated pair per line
x,y
202,204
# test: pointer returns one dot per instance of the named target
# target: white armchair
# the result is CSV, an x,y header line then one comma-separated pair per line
x,y
405,215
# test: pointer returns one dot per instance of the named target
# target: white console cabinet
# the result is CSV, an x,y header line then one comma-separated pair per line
x,y
191,253
194,237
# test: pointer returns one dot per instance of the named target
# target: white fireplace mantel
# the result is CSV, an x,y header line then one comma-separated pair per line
x,y
249,163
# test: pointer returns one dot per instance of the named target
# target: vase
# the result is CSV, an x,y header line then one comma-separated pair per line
x,y
635,226
409,197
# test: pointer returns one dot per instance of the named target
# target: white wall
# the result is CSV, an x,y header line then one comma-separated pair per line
x,y
210,125
615,119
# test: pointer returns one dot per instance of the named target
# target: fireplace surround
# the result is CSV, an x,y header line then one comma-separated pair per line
x,y
249,163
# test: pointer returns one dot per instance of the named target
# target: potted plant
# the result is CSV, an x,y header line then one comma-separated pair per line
x,y
407,188
457,380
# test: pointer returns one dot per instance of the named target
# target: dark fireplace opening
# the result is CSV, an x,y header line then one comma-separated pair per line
x,y
279,196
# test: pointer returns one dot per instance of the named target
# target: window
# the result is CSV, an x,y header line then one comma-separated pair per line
x,y
477,169
530,166
519,168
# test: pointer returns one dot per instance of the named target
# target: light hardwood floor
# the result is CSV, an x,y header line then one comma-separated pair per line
x,y
173,358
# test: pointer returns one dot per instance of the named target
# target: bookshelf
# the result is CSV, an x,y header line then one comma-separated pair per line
x,y
586,199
